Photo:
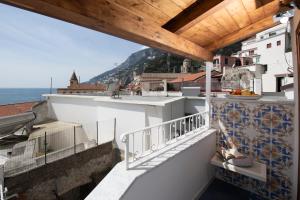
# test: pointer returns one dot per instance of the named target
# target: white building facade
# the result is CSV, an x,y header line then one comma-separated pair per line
x,y
271,48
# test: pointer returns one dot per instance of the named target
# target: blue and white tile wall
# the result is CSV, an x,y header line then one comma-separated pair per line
x,y
264,131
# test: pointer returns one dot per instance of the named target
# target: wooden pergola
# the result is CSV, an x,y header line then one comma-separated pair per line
x,y
186,27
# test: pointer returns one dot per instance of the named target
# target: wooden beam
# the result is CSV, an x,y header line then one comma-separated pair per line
x,y
108,17
204,8
297,88
243,33
193,14
139,7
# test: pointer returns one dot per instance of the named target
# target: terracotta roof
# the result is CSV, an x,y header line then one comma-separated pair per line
x,y
14,109
85,86
88,86
189,77
149,77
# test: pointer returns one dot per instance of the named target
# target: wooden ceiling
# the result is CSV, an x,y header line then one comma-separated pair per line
x,y
187,27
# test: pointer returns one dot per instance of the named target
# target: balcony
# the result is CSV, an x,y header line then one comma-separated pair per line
x,y
183,149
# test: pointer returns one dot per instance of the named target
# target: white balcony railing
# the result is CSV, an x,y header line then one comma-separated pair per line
x,y
1,192
144,142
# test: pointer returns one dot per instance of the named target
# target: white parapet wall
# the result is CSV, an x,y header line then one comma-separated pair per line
x,y
190,91
130,112
194,105
181,172
161,94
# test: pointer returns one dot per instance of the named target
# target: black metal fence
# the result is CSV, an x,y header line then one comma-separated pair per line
x,y
51,144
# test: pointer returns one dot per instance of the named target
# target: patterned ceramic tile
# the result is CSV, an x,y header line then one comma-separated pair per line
x,y
282,123
243,109
264,131
260,188
283,113
281,162
241,181
226,107
254,196
260,126
225,122
260,110
241,141
224,175
279,179
280,187
282,128
280,146
262,149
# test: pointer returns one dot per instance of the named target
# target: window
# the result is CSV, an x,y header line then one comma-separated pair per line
x,y
265,68
247,62
279,83
257,59
272,34
269,45
226,61
238,62
261,37
216,61
251,52
278,42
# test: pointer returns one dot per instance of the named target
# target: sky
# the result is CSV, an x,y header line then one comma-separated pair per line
x,y
34,48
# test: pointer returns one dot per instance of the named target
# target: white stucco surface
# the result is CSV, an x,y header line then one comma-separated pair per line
x,y
277,60
180,172
131,112
194,105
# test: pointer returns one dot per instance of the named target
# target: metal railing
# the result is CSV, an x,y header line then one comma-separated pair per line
x,y
143,142
54,144
1,192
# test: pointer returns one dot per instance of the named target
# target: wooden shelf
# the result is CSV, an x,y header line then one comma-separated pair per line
x,y
257,171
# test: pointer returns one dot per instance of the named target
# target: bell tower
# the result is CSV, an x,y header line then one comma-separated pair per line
x,y
73,79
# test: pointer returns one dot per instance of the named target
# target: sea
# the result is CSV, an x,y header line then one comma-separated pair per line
x,y
20,95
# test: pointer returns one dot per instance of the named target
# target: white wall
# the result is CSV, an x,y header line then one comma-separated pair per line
x,y
194,105
275,57
289,93
75,110
173,110
129,117
161,94
184,176
190,91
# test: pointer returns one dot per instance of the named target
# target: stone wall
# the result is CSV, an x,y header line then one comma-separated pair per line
x,y
264,130
55,179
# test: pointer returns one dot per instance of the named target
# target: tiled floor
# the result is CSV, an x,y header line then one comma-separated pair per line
x,y
219,190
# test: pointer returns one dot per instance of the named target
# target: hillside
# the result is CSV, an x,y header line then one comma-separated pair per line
x,y
151,61
146,60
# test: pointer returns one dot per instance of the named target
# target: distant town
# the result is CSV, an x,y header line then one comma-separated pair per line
x,y
265,61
